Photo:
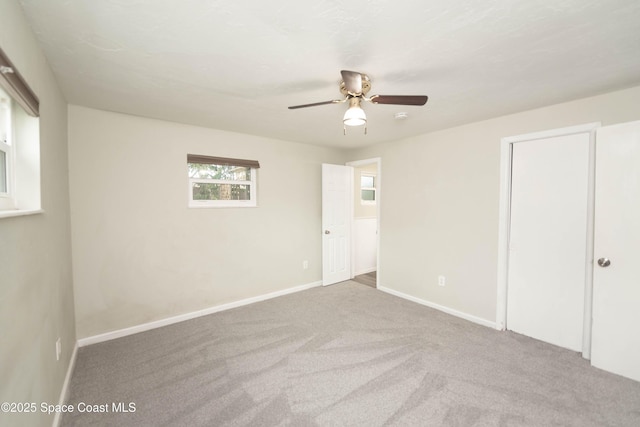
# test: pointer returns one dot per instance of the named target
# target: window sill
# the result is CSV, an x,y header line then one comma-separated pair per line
x,y
220,206
20,212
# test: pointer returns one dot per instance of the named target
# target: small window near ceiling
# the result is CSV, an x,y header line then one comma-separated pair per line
x,y
218,182
367,189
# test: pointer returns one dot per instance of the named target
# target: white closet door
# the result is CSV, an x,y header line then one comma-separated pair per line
x,y
615,343
546,276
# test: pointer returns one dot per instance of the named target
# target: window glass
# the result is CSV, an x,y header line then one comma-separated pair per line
x,y
5,117
368,195
225,172
366,181
5,140
209,191
3,172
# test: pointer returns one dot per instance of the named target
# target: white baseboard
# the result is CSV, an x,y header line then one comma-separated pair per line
x,y
439,307
192,315
64,393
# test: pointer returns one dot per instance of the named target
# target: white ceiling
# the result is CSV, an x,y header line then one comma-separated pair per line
x,y
237,64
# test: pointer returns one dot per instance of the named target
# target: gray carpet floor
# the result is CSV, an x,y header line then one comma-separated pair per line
x,y
343,355
368,279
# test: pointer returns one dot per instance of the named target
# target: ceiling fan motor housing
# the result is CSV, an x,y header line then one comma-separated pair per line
x,y
366,86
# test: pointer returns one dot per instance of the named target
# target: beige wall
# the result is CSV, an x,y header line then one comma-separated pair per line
x,y
141,255
36,295
439,213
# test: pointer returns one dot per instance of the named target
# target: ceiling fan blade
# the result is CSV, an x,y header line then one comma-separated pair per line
x,y
399,99
352,81
335,101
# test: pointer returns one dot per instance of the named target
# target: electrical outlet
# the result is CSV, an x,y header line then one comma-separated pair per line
x,y
305,264
441,281
58,348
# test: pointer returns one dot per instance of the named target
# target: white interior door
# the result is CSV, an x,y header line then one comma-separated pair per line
x,y
337,182
547,245
615,342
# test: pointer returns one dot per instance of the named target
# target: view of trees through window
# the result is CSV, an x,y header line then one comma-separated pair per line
x,y
220,182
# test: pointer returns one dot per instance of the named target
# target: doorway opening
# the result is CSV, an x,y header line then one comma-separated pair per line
x,y
365,238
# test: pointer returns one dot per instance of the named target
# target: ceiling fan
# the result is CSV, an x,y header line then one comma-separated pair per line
x,y
355,86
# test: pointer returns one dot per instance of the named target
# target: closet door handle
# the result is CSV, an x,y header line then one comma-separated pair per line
x,y
604,262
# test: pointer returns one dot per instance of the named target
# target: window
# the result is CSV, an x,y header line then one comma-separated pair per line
x,y
367,189
216,182
19,143
6,153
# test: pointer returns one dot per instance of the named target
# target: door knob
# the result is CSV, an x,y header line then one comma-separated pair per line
x,y
327,232
604,262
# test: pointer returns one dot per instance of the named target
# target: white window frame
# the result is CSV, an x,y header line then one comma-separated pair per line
x,y
253,192
375,195
7,198
23,196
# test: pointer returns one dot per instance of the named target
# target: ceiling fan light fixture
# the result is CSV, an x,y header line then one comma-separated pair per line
x,y
355,86
355,115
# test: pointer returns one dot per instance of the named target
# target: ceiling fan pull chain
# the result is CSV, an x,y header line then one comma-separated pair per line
x,y
344,130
